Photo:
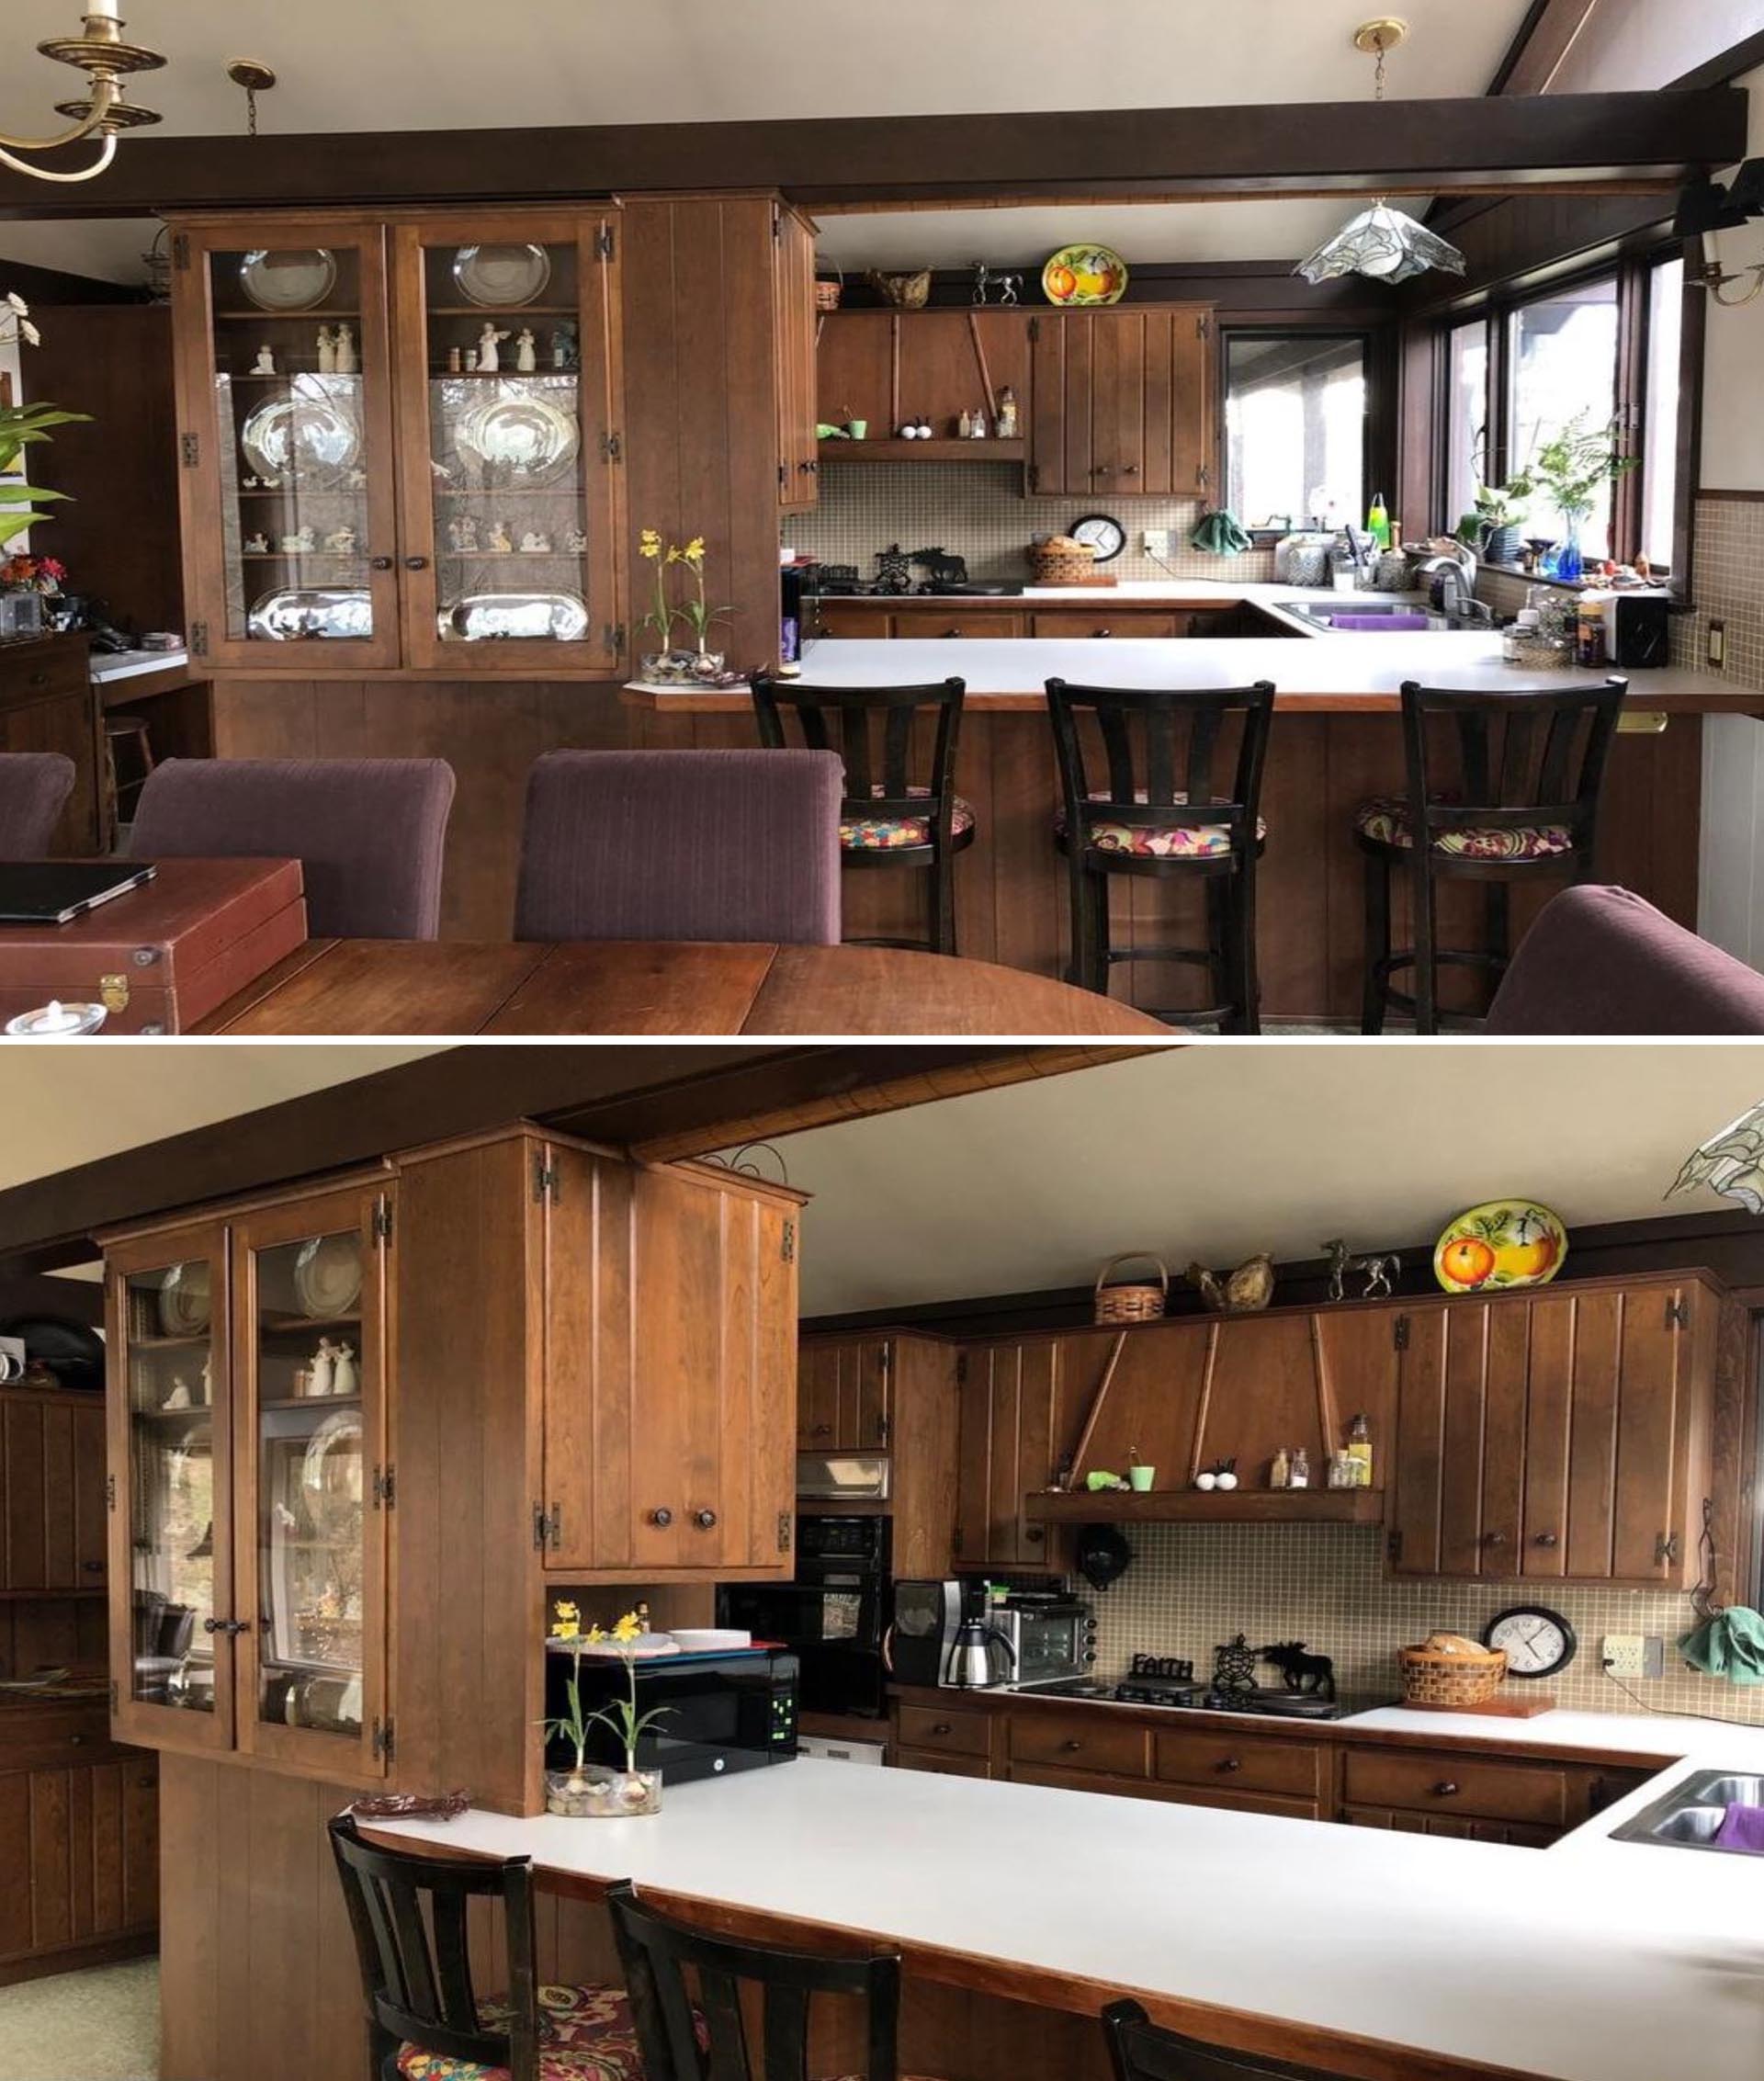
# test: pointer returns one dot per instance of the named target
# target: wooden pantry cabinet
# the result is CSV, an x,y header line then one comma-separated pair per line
x,y
1123,402
52,1530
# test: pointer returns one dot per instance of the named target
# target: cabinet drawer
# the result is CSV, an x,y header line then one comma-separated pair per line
x,y
872,623
44,678
39,1736
1103,622
1429,1783
1194,1756
948,627
1173,1795
1078,1741
951,1733
1519,1835
949,1766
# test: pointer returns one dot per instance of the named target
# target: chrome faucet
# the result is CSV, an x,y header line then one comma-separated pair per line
x,y
1458,595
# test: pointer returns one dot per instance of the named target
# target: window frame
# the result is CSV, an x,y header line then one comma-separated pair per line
x,y
1377,443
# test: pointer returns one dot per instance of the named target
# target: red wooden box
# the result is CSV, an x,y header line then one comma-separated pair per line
x,y
162,956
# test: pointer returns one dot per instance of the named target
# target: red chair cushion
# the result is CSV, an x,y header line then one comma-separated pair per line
x,y
884,835
1384,820
1161,841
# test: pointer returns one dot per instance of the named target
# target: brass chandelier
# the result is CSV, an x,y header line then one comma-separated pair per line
x,y
104,112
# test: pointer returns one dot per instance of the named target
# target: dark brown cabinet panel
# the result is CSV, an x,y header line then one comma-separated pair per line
x,y
1103,621
80,1847
854,370
1121,403
793,300
48,704
887,366
842,1403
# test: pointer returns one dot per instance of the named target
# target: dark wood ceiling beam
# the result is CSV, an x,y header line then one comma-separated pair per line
x,y
679,1100
1544,38
1300,147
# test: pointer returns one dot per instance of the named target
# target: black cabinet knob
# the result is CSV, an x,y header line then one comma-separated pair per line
x,y
75,1741
1493,1539
213,1625
93,1567
1231,1763
1101,632
942,1727
703,1519
1035,1535
380,563
662,1518
1071,1747
1547,1539
1446,1789
951,635
417,564
1131,470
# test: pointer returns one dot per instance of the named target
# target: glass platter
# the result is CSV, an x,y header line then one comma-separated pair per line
x,y
501,277
485,617
301,611
515,440
311,437
295,280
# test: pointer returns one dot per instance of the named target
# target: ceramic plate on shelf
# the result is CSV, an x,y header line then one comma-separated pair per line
x,y
524,440
184,1307
1081,275
327,1276
1501,1244
309,438
479,617
304,611
501,277
331,1466
295,280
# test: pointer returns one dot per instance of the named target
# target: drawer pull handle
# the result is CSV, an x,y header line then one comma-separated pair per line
x,y
662,1518
1446,1789
1546,1539
1071,1747
380,563
1493,1539
93,1567
942,1727
75,1741
39,679
952,635
417,564
1231,1763
1101,632
703,1519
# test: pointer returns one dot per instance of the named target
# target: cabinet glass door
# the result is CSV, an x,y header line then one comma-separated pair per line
x,y
171,1583
509,453
286,438
309,1282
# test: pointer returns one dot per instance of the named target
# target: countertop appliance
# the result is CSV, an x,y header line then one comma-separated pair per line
x,y
733,1710
927,1616
832,1615
982,1657
843,1478
1051,1636
1638,632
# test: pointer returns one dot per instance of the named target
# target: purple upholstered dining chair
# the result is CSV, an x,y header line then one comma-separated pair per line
x,y
1599,960
33,785
370,834
710,846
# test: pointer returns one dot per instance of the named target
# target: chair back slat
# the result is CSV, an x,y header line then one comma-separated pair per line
x,y
1523,758
1203,742
409,1917
898,742
659,1954
1566,729
1139,2051
1182,731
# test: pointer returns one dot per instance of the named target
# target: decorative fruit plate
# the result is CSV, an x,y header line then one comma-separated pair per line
x,y
1081,275
1499,1245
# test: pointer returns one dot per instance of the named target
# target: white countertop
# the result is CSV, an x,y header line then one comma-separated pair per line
x,y
1594,1961
1667,1735
128,664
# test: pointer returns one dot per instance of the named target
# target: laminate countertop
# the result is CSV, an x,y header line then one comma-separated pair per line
x,y
1592,1961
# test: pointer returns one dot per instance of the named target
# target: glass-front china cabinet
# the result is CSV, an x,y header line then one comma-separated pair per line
x,y
255,1418
399,443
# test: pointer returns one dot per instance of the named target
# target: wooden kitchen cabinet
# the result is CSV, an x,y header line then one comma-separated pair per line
x,y
49,704
887,367
1100,622
1121,403
53,1465
842,1400
897,1396
793,307
1561,1435
1012,1428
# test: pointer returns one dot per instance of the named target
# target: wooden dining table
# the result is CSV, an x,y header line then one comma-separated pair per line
x,y
447,987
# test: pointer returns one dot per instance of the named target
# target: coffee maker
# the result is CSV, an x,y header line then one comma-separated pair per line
x,y
927,1618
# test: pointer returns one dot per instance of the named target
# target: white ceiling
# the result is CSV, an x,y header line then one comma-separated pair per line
x,y
446,64
1215,1152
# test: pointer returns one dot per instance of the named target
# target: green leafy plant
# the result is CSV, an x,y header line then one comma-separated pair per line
x,y
621,1718
22,426
1575,465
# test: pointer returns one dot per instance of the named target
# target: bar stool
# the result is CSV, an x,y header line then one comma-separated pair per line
x,y
900,808
1144,824
1139,2051
124,732
1503,787
682,2041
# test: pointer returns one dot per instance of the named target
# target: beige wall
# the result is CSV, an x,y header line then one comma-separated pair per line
x,y
1646,43
1733,408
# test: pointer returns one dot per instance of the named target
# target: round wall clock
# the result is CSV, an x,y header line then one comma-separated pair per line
x,y
1104,537
1536,1641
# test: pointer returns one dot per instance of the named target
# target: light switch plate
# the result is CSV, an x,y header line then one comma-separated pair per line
x,y
1625,1654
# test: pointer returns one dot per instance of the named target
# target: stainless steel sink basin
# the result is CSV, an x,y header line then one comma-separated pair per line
x,y
1690,1815
1321,613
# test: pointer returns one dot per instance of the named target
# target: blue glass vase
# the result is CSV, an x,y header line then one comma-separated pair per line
x,y
1565,562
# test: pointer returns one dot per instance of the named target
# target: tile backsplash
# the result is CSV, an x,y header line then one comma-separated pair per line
x,y
1192,1587
1729,587
977,510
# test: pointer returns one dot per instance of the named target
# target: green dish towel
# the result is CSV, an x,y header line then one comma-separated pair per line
x,y
1220,536
1730,1645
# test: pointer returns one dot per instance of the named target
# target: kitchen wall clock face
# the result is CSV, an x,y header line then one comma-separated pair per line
x,y
1099,534
1538,1642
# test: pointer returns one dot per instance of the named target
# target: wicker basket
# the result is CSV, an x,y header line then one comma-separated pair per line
x,y
905,292
1064,567
1449,1682
1128,1302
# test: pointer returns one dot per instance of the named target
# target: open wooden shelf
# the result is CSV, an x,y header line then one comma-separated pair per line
x,y
1208,1506
890,448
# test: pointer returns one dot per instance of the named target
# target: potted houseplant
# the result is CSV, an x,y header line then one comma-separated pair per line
x,y
688,663
1572,470
1500,512
24,580
585,1790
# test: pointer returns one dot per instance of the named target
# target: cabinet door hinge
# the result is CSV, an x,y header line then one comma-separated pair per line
x,y
545,1180
189,446
1034,475
547,1527
1678,1311
385,1488
612,448
604,243
777,221
881,1431
382,1220
199,639
109,1492
1394,1544
955,1540
787,1248
1399,1332
1202,326
1665,1548
784,1531
180,250
613,635
383,1740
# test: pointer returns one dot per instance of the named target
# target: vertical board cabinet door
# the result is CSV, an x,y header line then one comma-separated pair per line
x,y
868,1427
854,370
1649,1533
1357,1362
591,1365
818,1376
972,1456
1263,1389
793,280
1145,1386
1416,1502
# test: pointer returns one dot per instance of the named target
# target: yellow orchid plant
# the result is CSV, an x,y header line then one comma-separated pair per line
x,y
695,610
621,1719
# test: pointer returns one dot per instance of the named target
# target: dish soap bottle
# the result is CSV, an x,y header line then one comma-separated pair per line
x,y
1358,1453
1378,521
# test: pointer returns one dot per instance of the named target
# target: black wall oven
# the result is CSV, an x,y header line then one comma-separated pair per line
x,y
832,1616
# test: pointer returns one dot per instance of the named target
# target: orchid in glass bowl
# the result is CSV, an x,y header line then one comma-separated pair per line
x,y
588,1790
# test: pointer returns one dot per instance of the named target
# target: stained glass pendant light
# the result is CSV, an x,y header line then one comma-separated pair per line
x,y
1730,1163
1381,242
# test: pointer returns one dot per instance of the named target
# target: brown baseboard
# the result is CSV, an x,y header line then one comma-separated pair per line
x,y
73,1958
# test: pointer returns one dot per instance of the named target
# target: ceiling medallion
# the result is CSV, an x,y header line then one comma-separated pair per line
x,y
103,112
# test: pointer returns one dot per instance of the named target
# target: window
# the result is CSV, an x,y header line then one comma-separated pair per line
x,y
1562,359
1294,427
1660,411
1466,417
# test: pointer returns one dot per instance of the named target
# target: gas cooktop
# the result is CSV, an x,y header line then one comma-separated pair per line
x,y
871,589
1184,1695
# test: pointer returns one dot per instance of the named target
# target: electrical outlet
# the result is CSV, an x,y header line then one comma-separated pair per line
x,y
1625,1654
1156,541
1717,642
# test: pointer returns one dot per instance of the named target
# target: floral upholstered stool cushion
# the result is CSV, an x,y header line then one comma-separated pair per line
x,y
585,2034
885,834
1384,820
1160,842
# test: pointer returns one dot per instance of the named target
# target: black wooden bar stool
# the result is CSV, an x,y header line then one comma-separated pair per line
x,y
1139,2051
900,808
1503,787
1163,815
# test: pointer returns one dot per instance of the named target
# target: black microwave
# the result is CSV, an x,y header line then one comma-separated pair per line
x,y
721,1712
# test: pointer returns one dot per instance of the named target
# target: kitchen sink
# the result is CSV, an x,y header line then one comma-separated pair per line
x,y
1690,1815
1321,613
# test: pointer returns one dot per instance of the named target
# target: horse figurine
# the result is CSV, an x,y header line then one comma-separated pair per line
x,y
1312,1674
1378,1270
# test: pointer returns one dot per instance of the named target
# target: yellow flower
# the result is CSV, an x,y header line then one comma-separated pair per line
x,y
629,1628
649,543
594,1636
694,552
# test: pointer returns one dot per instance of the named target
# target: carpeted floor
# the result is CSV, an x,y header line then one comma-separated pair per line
x,y
100,2025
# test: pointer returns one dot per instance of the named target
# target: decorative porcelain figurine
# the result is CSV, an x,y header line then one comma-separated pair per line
x,y
463,534
565,352
347,362
324,1364
357,478
179,1398
498,544
265,364
489,341
344,1377
249,483
575,541
208,1382
341,541
535,544
300,544
526,357
327,351
257,545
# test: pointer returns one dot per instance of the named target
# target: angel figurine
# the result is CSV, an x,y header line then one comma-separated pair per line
x,y
526,358
265,364
348,363
327,351
489,341
345,1380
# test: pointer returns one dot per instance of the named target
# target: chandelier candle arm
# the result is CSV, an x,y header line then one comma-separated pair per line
x,y
104,57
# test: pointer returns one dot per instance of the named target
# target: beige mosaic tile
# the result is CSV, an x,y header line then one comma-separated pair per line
x,y
1729,586
1192,1587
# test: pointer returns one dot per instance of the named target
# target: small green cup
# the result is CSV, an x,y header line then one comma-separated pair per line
x,y
1141,1478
